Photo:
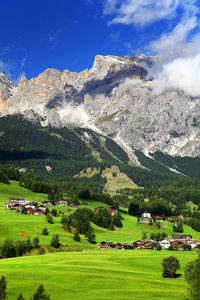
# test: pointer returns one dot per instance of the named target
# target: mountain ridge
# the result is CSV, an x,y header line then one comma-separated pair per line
x,y
113,98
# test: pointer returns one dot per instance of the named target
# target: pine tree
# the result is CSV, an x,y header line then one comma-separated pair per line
x,y
20,297
55,241
3,284
40,294
76,235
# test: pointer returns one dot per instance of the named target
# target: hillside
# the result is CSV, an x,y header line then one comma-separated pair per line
x,y
12,224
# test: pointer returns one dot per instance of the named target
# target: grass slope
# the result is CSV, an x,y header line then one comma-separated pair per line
x,y
121,181
99,274
16,226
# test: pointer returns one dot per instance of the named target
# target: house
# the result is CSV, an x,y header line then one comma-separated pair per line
x,y
47,203
193,244
146,217
38,212
178,245
41,208
112,210
128,247
62,203
139,244
106,245
181,237
74,206
158,218
181,217
165,243
119,246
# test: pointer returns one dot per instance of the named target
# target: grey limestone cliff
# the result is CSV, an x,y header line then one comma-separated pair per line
x,y
115,98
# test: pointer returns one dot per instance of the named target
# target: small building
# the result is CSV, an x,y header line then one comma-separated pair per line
x,y
181,217
158,218
62,203
165,243
74,206
112,210
178,245
146,217
128,247
119,246
181,237
47,203
106,245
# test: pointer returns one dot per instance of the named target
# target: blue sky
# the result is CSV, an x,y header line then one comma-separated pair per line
x,y
67,34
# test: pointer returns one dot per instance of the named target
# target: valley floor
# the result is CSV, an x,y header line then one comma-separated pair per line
x,y
99,274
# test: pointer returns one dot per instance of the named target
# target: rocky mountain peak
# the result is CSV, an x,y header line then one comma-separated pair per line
x,y
115,98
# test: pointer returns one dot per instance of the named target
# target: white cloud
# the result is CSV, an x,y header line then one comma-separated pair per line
x,y
140,12
177,53
181,73
5,68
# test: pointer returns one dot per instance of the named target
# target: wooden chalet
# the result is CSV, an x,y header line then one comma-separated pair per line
x,y
74,206
181,237
106,245
158,218
62,203
112,210
146,217
47,203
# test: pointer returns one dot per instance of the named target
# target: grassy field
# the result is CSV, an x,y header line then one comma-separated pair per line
x,y
89,172
121,181
100,274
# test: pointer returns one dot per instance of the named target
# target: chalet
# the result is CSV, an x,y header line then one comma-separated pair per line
x,y
146,217
140,244
193,244
146,246
74,206
30,205
181,237
128,247
158,218
112,210
47,203
178,245
106,245
62,203
165,243
119,246
41,208
181,217
38,212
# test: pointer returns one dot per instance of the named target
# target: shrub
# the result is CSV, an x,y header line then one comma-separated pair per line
x,y
76,236
41,251
170,266
55,241
45,231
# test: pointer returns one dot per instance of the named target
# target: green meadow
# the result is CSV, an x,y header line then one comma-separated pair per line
x,y
17,226
90,274
98,274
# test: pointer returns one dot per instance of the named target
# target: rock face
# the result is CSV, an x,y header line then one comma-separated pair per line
x,y
113,97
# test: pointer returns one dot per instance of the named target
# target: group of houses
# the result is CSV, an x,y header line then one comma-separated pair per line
x,y
146,217
29,208
119,246
179,242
